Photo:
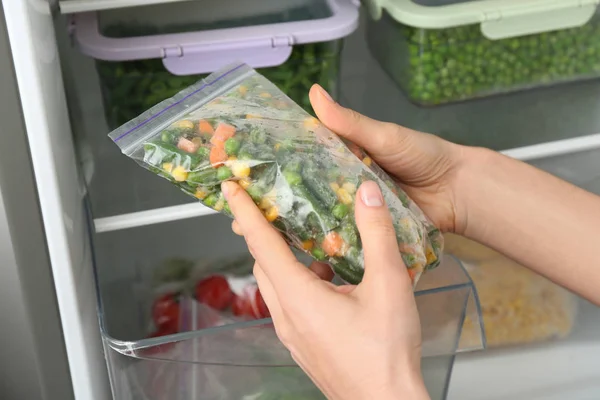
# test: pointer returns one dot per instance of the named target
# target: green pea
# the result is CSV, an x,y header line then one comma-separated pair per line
x,y
232,146
340,210
318,254
224,173
203,152
211,200
167,137
255,192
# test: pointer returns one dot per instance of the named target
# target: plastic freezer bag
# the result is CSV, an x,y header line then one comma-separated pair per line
x,y
236,125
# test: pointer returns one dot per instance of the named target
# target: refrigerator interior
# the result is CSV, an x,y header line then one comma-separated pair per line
x,y
124,259
117,186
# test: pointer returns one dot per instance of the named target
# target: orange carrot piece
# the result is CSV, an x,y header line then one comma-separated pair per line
x,y
412,273
333,244
205,127
217,156
222,133
187,145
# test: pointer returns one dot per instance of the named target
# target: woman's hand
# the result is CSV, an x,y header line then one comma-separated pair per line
x,y
427,167
355,342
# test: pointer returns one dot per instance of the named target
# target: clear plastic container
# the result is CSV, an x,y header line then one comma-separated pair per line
x,y
146,55
518,306
241,359
441,51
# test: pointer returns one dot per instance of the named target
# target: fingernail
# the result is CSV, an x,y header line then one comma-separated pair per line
x,y
325,94
370,194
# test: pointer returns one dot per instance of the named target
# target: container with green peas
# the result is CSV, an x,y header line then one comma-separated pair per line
x,y
131,87
148,54
442,57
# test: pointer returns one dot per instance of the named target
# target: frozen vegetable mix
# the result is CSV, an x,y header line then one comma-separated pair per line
x,y
237,125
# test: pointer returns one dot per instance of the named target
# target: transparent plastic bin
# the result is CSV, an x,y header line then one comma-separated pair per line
x,y
146,55
241,360
440,51
518,306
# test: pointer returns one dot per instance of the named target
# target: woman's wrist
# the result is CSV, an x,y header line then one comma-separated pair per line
x,y
409,385
471,164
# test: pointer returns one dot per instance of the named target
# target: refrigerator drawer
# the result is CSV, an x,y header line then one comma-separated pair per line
x,y
227,354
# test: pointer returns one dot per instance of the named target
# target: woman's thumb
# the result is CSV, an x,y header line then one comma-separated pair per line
x,y
383,264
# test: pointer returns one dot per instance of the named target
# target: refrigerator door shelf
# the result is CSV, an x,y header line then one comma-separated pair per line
x,y
537,152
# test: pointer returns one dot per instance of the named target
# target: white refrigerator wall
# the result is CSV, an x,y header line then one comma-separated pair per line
x,y
36,60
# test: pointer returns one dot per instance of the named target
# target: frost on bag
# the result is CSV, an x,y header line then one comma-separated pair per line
x,y
236,125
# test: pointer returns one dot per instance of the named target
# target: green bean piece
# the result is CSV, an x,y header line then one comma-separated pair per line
x,y
340,211
292,178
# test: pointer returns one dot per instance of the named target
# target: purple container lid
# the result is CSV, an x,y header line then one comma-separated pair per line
x,y
206,51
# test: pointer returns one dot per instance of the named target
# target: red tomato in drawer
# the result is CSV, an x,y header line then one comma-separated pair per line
x,y
250,304
215,292
165,312
261,307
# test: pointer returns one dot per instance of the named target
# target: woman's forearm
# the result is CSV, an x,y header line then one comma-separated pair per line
x,y
542,222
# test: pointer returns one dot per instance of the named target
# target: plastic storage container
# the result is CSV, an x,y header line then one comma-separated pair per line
x,y
518,306
148,54
237,360
442,51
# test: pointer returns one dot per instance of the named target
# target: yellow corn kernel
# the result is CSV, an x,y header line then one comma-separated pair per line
x,y
253,116
406,223
244,183
349,187
311,123
265,203
167,167
367,161
265,95
272,214
220,204
277,146
243,90
240,169
201,194
308,245
179,174
231,159
334,186
431,257
184,124
344,196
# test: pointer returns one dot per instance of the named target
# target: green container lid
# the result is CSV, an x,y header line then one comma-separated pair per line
x,y
499,19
